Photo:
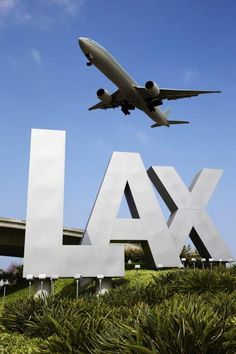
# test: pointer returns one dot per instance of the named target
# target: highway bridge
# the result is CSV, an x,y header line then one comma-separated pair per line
x,y
12,237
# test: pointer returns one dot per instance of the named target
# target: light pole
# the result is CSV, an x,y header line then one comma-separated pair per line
x,y
100,277
203,260
183,260
42,277
30,278
5,283
194,262
53,278
77,278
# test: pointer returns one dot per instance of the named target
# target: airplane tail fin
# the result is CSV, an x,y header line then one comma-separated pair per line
x,y
156,125
170,122
167,113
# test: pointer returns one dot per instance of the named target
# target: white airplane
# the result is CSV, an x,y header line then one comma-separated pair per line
x,y
129,95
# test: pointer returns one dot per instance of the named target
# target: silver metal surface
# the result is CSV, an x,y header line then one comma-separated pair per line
x,y
43,237
126,175
188,209
44,252
99,253
12,237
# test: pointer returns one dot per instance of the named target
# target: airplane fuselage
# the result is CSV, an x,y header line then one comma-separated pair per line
x,y
105,62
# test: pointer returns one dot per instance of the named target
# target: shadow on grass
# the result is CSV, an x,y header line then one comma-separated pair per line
x,y
67,288
11,289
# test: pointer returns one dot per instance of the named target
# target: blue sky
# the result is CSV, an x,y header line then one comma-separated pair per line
x,y
44,83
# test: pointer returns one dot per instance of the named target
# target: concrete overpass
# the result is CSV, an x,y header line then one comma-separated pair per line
x,y
12,237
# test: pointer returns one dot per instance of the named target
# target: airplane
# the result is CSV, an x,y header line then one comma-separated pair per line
x,y
129,95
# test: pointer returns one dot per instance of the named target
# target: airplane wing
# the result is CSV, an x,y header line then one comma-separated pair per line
x,y
175,94
117,99
170,94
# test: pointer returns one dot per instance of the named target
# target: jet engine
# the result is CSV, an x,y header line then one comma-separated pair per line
x,y
152,88
104,95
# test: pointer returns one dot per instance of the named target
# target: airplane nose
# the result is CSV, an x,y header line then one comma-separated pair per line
x,y
82,43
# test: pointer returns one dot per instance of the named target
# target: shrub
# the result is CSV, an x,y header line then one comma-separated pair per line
x,y
135,254
37,317
13,273
15,343
183,311
222,303
75,335
198,281
60,313
183,324
165,284
15,314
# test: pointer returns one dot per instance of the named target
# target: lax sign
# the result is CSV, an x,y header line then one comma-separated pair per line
x,y
100,252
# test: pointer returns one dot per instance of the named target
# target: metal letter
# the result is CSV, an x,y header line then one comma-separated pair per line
x,y
44,226
126,174
187,206
44,252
